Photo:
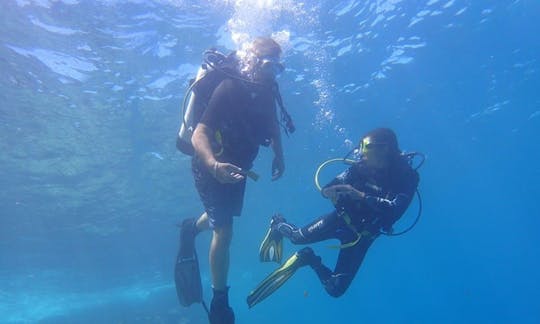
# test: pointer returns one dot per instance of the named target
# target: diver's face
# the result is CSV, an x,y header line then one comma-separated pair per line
x,y
375,154
266,68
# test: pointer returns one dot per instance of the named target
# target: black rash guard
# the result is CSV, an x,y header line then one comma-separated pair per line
x,y
244,114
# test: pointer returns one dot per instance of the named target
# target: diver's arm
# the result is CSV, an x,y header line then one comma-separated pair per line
x,y
201,143
278,164
389,210
395,203
386,205
205,131
331,190
223,172
391,206
378,204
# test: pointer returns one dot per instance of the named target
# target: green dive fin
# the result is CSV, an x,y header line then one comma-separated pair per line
x,y
271,248
277,278
187,276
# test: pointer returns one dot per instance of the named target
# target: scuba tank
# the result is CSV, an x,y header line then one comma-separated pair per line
x,y
216,68
183,142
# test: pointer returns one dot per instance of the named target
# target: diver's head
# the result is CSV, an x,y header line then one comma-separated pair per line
x,y
379,148
264,59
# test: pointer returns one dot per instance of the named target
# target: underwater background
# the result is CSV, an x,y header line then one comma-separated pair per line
x,y
92,186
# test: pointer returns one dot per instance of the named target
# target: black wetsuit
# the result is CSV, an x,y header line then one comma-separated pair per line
x,y
388,194
242,115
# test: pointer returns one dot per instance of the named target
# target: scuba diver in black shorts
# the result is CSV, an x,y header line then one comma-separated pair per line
x,y
238,114
369,197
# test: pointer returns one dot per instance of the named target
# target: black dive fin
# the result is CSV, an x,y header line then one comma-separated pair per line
x,y
187,276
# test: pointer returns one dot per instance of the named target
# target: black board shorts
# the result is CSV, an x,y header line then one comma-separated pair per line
x,y
221,201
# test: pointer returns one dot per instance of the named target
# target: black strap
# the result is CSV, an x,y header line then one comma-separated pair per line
x,y
206,308
286,120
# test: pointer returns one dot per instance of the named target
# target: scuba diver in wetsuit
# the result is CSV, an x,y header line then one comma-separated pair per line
x,y
369,197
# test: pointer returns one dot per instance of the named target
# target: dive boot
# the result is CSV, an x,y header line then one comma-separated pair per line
x,y
220,311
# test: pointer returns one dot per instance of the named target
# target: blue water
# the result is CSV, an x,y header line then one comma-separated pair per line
x,y
92,186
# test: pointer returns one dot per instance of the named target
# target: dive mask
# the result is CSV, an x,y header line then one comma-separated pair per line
x,y
367,146
271,64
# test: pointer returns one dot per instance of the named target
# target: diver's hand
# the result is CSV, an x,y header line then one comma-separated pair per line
x,y
227,172
334,192
278,167
340,191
